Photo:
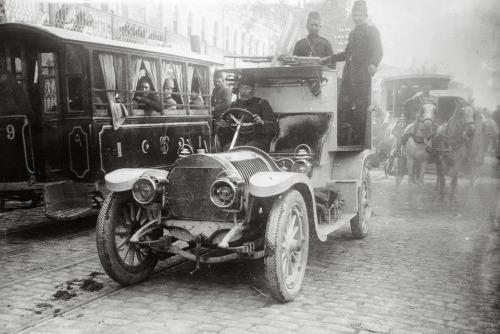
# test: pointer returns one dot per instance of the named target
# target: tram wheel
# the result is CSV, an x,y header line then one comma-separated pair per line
x,y
119,218
287,243
359,224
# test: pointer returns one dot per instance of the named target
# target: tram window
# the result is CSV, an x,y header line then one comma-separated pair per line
x,y
3,59
74,60
173,73
198,85
49,84
109,85
75,93
390,100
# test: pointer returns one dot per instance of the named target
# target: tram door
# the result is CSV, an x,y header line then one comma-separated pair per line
x,y
48,145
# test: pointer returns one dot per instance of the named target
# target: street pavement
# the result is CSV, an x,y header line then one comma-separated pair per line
x,y
423,268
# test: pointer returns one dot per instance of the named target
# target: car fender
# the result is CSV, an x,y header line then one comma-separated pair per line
x,y
124,178
268,184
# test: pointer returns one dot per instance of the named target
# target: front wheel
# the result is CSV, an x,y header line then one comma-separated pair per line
x,y
119,218
359,224
286,248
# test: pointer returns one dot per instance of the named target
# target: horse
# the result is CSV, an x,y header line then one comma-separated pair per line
x,y
419,133
450,144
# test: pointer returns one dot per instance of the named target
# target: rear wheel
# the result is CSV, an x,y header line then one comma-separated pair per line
x,y
359,224
119,218
287,243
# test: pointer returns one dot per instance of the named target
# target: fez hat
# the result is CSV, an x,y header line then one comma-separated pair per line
x,y
313,16
168,83
218,75
359,6
247,79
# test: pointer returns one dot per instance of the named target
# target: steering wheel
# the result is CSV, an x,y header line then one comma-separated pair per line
x,y
234,118
239,119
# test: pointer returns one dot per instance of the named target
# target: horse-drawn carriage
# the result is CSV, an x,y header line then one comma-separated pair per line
x,y
446,131
245,203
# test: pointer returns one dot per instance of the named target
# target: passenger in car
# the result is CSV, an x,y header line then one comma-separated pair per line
x,y
147,100
263,116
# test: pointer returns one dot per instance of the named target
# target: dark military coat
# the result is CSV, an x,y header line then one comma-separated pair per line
x,y
313,47
363,48
261,107
221,99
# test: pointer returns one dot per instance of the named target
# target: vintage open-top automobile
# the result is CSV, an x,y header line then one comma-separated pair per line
x,y
247,203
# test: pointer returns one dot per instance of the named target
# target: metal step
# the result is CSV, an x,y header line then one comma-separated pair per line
x,y
325,229
73,213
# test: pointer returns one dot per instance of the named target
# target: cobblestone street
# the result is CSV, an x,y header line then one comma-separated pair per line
x,y
423,268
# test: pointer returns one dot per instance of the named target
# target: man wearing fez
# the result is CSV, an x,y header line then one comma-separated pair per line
x,y
221,96
362,55
313,45
265,122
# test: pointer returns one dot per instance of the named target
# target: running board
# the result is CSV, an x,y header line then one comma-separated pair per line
x,y
67,200
71,214
325,229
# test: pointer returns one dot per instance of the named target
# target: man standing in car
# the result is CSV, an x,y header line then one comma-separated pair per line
x,y
313,45
362,55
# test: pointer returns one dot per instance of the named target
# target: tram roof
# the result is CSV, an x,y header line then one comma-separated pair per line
x,y
74,36
414,76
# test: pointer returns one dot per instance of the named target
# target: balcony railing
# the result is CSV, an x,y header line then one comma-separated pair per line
x,y
88,20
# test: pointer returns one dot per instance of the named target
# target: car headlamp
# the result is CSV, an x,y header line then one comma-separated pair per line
x,y
226,191
145,189
301,166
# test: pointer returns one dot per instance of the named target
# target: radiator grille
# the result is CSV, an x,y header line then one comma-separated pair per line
x,y
249,167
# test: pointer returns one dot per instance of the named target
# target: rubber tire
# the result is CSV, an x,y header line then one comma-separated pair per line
x,y
359,228
111,261
273,264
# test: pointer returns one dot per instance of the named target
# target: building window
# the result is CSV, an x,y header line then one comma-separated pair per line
x,y
243,40
227,38
216,33
190,24
176,19
203,23
235,41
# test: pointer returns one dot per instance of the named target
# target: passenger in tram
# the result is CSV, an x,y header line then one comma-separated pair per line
x,y
221,96
146,99
265,122
362,55
196,101
13,98
168,101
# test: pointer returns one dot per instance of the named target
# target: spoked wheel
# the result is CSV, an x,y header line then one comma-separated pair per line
x,y
119,218
287,245
359,224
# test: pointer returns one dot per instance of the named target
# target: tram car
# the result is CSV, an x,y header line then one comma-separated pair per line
x,y
86,114
246,203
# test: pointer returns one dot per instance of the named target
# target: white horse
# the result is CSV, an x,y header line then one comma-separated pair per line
x,y
419,133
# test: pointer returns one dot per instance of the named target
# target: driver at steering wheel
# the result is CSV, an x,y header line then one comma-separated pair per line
x,y
263,119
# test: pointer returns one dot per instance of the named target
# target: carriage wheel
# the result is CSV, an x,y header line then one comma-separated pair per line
x,y
359,224
287,243
119,218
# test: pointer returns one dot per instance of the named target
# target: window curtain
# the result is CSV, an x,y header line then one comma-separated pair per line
x,y
118,110
190,78
203,80
137,63
121,79
150,67
180,79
